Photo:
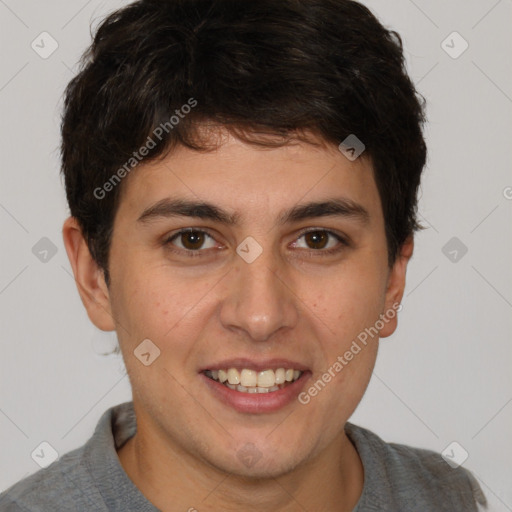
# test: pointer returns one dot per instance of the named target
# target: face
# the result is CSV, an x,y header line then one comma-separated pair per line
x,y
256,282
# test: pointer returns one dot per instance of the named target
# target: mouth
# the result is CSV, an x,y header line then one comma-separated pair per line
x,y
255,386
246,380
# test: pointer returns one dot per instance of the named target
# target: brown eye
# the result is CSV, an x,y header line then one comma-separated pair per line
x,y
321,241
191,240
316,239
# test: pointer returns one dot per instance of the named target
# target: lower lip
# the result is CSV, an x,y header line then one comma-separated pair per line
x,y
256,403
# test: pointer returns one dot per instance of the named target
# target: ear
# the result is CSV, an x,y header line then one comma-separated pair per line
x,y
89,277
395,288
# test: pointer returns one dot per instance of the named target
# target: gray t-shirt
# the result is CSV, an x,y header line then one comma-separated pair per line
x,y
397,477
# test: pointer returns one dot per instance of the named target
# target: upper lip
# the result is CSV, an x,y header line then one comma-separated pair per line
x,y
258,365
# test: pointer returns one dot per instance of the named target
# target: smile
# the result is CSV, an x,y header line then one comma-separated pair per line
x,y
251,381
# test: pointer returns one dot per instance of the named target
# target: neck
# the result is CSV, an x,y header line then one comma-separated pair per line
x,y
175,480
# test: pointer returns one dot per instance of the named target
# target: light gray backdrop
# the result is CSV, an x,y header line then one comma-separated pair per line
x,y
444,377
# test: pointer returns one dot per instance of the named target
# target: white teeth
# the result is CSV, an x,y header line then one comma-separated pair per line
x,y
280,376
266,379
251,381
233,376
248,378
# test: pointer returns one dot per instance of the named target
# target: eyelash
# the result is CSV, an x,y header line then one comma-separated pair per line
x,y
319,252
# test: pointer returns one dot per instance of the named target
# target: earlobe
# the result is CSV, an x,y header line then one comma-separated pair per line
x,y
89,277
395,288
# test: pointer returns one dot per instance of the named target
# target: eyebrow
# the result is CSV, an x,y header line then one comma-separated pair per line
x,y
335,207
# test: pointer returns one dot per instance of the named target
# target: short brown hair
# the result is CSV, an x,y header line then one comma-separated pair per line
x,y
255,66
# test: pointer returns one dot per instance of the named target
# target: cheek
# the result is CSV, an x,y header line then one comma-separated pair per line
x,y
150,305
167,308
351,303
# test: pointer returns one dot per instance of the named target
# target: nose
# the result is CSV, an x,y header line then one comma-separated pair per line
x,y
260,300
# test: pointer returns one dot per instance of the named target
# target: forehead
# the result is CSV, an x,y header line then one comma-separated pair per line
x,y
249,179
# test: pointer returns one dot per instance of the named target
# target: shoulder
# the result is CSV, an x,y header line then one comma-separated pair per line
x,y
66,484
86,478
414,478
60,486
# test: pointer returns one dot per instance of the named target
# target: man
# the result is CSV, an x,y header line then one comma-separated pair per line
x,y
242,181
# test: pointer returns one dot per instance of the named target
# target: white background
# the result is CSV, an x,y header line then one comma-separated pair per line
x,y
446,373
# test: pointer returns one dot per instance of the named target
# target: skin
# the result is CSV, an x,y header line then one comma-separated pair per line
x,y
291,302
